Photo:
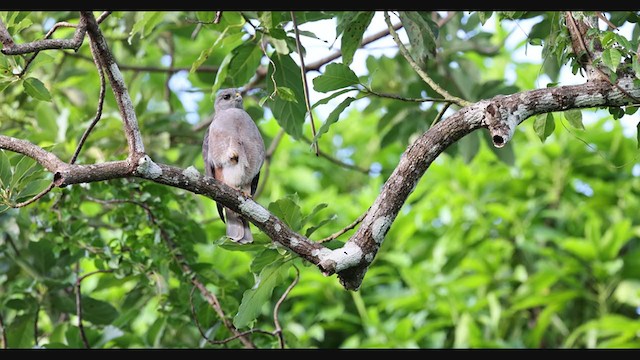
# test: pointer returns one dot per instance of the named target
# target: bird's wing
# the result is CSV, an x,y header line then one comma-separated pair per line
x,y
208,165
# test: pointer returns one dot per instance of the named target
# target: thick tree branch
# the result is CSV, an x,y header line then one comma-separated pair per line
x,y
108,63
9,47
500,115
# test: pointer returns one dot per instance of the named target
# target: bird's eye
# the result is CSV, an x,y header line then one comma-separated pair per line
x,y
226,96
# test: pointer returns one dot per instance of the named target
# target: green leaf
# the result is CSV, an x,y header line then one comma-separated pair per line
x,y
97,311
422,33
638,135
19,332
312,229
574,117
221,76
253,299
336,76
5,170
352,35
23,168
332,96
333,117
315,210
628,292
32,188
222,42
36,89
581,248
290,115
146,21
611,58
544,125
243,64
469,146
288,211
264,258
484,16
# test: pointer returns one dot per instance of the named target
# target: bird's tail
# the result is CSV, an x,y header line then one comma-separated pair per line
x,y
238,228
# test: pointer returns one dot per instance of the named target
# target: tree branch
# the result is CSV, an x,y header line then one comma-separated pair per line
x,y
9,47
500,115
108,63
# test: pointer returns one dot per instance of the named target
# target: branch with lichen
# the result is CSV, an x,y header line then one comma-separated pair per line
x,y
500,115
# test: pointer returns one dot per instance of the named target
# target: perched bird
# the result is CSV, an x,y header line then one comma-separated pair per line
x,y
233,152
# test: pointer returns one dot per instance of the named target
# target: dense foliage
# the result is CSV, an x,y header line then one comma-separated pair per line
x,y
533,245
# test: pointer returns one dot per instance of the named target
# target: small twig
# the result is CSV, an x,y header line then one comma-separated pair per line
x,y
397,97
267,161
338,162
48,35
35,326
276,309
100,105
440,114
167,88
3,333
305,86
218,342
85,341
604,18
349,227
35,198
423,75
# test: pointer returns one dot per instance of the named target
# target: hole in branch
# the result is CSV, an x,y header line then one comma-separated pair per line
x,y
498,141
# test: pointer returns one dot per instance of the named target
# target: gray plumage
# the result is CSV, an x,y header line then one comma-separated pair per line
x,y
233,152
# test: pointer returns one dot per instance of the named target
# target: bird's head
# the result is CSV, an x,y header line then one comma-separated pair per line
x,y
227,99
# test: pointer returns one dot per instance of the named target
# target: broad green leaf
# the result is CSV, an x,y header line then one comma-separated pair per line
x,y
145,22
32,188
221,76
469,146
253,299
36,89
264,258
333,117
484,16
544,125
336,76
243,64
574,117
581,248
288,211
313,212
628,292
332,96
222,42
286,73
311,229
155,331
422,33
19,332
611,58
352,35
97,311
5,169
23,168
